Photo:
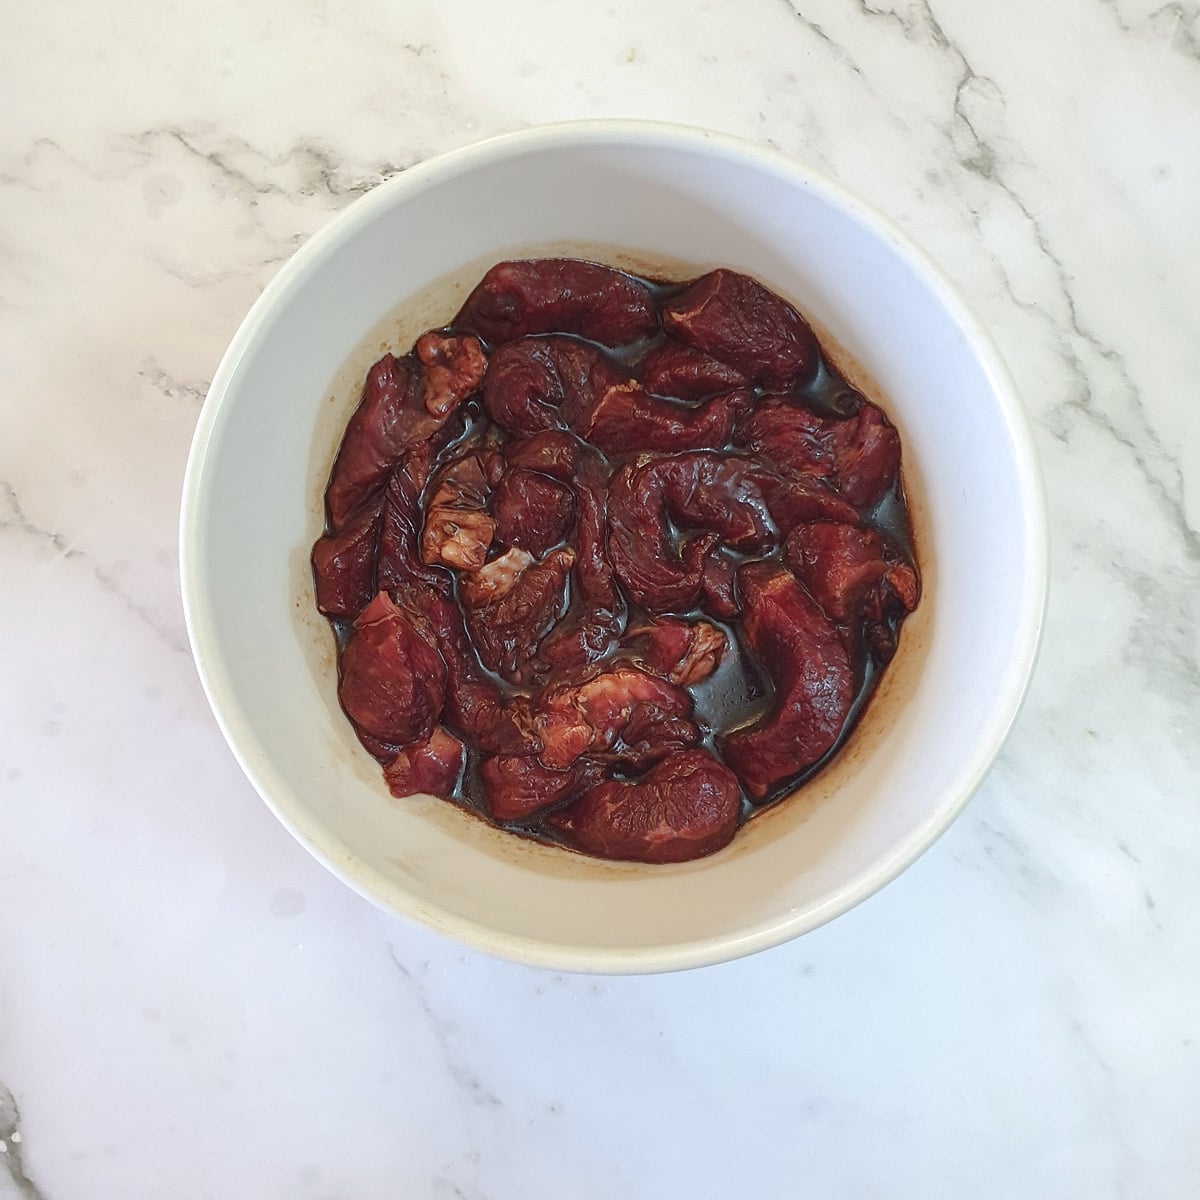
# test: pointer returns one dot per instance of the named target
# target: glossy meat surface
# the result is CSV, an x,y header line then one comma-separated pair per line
x,y
344,564
597,614
399,564
559,295
454,368
458,528
737,321
682,652
511,604
701,491
612,563
858,455
622,714
532,511
850,571
515,788
800,649
685,807
393,681
475,707
679,370
389,419
628,419
433,766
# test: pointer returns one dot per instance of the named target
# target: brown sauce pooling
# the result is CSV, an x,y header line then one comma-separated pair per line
x,y
657,540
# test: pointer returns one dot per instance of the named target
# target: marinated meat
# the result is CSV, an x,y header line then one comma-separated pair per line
x,y
857,455
532,511
516,788
559,295
597,614
626,419
433,767
682,652
399,563
674,369
621,714
551,453
696,491
458,529
475,707
851,571
393,681
800,649
532,515
389,419
734,319
511,604
454,368
797,500
344,564
685,807
718,595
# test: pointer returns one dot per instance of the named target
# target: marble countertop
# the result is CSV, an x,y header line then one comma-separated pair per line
x,y
190,1007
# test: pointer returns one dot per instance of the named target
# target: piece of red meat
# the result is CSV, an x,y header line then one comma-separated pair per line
x,y
510,605
544,383
532,511
734,319
799,648
550,383
682,652
474,706
621,714
390,417
851,572
515,788
683,808
712,492
432,767
858,455
552,452
718,594
392,681
674,369
868,456
458,529
399,563
597,615
343,563
799,499
626,418
558,295
454,368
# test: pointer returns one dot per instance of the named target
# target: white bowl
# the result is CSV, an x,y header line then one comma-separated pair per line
x,y
653,196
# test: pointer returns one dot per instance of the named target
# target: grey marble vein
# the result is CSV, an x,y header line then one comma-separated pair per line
x,y
15,519
1164,477
457,1066
252,172
172,388
1133,431
839,51
1181,23
65,550
1018,862
13,1156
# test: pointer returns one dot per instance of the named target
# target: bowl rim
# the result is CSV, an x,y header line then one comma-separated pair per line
x,y
371,884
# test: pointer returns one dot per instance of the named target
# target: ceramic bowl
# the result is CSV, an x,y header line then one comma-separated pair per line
x,y
669,201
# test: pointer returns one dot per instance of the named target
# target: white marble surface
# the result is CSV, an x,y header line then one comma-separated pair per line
x,y
190,1007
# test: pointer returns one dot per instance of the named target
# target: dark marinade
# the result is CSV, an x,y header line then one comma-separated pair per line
x,y
789,531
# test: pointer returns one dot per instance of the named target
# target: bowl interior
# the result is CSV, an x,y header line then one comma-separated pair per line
x,y
398,262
